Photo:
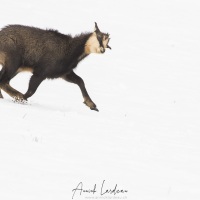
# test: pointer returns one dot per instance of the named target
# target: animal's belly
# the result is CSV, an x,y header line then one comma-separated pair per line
x,y
25,69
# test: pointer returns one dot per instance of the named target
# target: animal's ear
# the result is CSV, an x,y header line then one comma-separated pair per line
x,y
96,29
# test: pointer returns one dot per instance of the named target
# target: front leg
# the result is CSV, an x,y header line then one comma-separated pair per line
x,y
33,85
73,78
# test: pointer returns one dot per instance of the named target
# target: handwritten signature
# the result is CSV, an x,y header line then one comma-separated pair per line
x,y
80,189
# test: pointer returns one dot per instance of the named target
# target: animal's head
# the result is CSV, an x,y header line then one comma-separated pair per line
x,y
98,41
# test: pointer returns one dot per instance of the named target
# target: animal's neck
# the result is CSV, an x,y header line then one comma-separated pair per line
x,y
80,41
77,46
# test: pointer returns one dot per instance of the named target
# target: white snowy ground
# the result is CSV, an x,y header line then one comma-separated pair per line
x,y
146,137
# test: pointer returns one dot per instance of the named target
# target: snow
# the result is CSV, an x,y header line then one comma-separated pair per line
x,y
146,136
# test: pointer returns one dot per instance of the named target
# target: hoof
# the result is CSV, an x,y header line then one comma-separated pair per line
x,y
91,105
20,99
95,109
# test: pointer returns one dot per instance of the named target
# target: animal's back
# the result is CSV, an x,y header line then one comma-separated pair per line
x,y
29,34
33,44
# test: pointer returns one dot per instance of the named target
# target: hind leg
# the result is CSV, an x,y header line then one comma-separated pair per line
x,y
6,74
1,96
18,96
1,72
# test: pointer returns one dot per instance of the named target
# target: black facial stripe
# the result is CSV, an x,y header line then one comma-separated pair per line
x,y
100,40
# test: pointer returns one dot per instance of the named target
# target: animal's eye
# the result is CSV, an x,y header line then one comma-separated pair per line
x,y
100,38
106,37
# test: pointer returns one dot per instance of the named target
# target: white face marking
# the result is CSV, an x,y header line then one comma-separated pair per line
x,y
105,41
92,45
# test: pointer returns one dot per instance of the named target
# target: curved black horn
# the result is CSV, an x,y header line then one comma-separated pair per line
x,y
96,28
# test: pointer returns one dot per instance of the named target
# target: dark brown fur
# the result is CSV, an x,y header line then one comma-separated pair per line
x,y
46,53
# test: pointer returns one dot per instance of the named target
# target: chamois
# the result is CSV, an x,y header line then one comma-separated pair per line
x,y
47,54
